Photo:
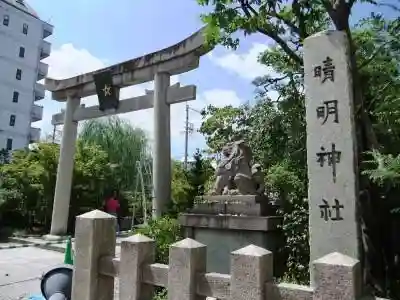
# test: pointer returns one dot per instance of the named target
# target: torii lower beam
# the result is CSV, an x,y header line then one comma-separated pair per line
x,y
176,94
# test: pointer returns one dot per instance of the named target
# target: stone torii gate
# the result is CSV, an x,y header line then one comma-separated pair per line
x,y
158,66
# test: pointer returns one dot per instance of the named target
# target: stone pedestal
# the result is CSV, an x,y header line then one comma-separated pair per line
x,y
240,205
227,223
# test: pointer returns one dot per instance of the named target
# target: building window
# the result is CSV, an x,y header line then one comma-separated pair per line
x,y
9,144
18,75
21,52
12,120
6,20
25,28
15,97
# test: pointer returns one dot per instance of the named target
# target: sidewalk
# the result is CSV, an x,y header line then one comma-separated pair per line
x,y
21,270
17,242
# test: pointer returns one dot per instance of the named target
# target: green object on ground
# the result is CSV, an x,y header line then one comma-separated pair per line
x,y
68,255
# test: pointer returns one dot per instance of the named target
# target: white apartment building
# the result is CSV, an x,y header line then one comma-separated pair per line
x,y
22,47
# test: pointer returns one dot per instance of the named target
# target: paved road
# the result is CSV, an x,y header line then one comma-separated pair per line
x,y
21,269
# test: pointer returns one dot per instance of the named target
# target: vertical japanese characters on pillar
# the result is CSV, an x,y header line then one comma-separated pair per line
x,y
326,73
330,145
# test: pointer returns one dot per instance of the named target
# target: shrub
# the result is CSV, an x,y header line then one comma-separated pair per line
x,y
165,231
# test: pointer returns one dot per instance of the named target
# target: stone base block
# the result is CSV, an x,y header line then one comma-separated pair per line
x,y
242,205
248,223
226,233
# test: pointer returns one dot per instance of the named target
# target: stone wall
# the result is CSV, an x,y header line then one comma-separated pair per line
x,y
336,276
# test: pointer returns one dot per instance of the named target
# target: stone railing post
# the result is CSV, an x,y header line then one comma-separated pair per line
x,y
251,268
186,258
136,251
337,277
94,238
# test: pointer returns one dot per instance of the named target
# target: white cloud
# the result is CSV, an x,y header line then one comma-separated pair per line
x,y
245,65
68,61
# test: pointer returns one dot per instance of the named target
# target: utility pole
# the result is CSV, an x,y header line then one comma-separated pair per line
x,y
188,130
54,134
186,136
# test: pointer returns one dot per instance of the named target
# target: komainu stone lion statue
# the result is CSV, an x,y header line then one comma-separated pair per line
x,y
235,175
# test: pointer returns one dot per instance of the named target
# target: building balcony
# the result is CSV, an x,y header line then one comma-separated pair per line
x,y
40,91
43,69
45,50
47,30
36,113
34,135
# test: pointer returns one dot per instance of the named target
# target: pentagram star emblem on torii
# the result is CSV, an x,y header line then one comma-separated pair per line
x,y
107,90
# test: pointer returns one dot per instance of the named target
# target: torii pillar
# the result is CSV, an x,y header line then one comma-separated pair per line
x,y
162,145
157,66
62,193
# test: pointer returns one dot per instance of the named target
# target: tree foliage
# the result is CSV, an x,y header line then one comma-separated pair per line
x,y
28,183
180,188
222,125
125,146
165,231
275,128
199,173
129,158
188,183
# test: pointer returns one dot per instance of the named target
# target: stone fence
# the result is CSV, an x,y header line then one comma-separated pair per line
x,y
336,276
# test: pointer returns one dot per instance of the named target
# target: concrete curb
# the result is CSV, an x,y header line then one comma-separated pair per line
x,y
23,242
33,240
25,245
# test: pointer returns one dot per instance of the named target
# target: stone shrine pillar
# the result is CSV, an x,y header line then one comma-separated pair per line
x,y
162,145
331,146
62,194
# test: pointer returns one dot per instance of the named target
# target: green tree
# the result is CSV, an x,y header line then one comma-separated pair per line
x,y
279,138
198,174
180,188
187,184
92,177
28,184
124,145
222,125
126,148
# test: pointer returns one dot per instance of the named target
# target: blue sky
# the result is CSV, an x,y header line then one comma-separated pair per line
x,y
90,34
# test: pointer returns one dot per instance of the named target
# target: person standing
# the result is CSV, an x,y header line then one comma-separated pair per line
x,y
112,207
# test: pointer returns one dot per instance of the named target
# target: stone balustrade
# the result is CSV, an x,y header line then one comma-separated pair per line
x,y
336,276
